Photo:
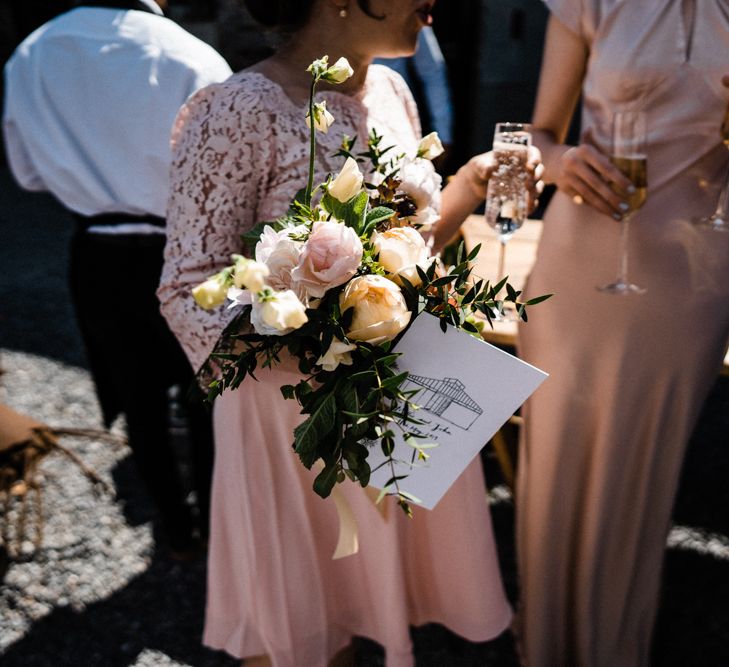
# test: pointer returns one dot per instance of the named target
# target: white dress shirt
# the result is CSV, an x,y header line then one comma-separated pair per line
x,y
91,97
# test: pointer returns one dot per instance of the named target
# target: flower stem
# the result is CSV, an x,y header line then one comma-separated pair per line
x,y
312,142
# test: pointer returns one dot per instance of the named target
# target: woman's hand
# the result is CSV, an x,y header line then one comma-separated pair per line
x,y
588,176
479,169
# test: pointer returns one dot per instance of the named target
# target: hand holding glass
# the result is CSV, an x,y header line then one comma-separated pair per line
x,y
507,196
628,155
719,220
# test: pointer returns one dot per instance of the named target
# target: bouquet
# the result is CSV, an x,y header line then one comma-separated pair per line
x,y
334,283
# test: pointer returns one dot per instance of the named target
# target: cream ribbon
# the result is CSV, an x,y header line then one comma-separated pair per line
x,y
348,541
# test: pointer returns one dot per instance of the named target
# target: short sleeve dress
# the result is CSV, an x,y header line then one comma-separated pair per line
x,y
606,434
240,154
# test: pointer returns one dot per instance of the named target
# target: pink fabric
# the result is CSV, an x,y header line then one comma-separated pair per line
x,y
605,435
273,587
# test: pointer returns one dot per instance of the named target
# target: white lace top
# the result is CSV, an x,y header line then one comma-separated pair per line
x,y
240,153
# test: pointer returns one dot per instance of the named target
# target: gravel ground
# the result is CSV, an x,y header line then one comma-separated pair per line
x,y
102,590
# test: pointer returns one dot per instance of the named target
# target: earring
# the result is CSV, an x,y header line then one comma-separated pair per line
x,y
343,13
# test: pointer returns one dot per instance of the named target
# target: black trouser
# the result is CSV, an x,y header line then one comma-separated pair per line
x,y
134,360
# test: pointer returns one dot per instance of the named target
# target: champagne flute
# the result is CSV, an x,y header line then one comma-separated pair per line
x,y
507,198
628,155
718,221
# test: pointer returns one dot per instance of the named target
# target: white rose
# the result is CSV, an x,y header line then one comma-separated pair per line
x,y
401,250
338,353
278,313
211,293
249,274
430,146
280,253
322,118
339,72
380,311
420,181
348,183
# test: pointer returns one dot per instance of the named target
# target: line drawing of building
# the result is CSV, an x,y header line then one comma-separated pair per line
x,y
445,398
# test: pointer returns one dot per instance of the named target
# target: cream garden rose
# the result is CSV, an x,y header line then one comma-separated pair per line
x,y
348,182
278,313
380,311
401,250
331,256
430,146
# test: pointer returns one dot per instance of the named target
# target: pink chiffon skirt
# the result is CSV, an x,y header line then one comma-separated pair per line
x,y
273,587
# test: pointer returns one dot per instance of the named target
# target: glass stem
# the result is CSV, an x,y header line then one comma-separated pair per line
x,y
723,203
623,262
502,258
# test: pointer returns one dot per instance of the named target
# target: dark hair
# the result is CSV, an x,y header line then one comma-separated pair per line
x,y
289,15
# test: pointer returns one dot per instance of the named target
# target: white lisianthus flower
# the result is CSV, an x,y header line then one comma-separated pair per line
x,y
211,293
348,182
249,273
239,297
339,72
278,313
322,118
401,250
420,181
380,311
319,66
338,353
430,146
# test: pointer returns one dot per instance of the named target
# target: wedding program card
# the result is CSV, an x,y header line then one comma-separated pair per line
x,y
468,389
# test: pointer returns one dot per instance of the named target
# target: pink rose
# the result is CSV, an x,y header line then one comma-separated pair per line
x,y
280,253
331,256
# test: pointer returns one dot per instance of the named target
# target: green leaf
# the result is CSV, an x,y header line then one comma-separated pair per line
x,y
377,215
326,479
538,299
312,431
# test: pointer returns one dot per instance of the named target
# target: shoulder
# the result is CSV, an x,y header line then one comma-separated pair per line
x,y
382,78
580,16
175,44
242,105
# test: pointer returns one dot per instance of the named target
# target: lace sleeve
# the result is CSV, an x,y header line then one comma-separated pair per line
x,y
221,146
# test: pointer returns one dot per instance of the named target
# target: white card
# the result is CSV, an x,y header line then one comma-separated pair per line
x,y
468,389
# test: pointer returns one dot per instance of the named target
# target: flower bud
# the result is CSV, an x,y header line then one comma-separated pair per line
x,y
211,293
430,146
348,182
339,72
278,313
338,353
322,118
249,274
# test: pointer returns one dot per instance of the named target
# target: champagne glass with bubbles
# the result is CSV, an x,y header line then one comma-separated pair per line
x,y
718,221
629,156
507,196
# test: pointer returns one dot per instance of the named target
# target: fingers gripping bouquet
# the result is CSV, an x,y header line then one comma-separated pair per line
x,y
334,283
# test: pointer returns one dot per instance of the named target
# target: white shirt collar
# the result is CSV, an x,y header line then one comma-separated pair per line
x,y
153,6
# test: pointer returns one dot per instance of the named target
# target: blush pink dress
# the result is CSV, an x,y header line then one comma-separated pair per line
x,y
605,435
240,154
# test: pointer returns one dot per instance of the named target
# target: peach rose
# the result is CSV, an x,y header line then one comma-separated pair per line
x,y
401,250
380,312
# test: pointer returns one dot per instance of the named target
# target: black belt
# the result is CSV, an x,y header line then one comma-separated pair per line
x,y
83,222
